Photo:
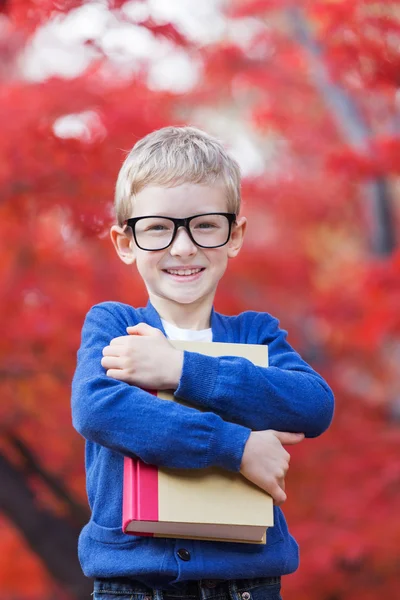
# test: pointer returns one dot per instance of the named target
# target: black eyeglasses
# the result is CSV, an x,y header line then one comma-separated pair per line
x,y
210,230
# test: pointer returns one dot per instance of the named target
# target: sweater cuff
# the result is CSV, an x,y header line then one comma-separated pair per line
x,y
199,374
228,446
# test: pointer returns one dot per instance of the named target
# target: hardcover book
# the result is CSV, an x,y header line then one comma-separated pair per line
x,y
207,504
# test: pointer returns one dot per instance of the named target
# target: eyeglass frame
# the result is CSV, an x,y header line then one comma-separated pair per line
x,y
180,223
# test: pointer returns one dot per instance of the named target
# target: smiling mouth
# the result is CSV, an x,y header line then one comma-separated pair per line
x,y
184,272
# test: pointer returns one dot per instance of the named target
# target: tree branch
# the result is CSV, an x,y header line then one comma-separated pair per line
x,y
78,513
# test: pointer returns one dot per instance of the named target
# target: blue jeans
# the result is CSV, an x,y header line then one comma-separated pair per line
x,y
207,589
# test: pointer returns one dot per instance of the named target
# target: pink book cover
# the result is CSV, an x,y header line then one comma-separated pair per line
x,y
140,493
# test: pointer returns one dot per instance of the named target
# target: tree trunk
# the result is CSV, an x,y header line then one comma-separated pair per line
x,y
52,538
354,131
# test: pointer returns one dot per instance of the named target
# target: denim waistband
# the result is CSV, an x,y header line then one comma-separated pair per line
x,y
204,589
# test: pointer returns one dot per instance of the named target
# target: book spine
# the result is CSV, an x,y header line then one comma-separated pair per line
x,y
140,493
129,493
147,492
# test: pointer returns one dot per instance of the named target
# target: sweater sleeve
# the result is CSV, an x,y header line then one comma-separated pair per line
x,y
132,421
288,395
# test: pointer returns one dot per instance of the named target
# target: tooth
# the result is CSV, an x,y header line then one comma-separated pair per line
x,y
183,271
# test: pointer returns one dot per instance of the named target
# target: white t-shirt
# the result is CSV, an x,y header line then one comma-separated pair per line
x,y
177,333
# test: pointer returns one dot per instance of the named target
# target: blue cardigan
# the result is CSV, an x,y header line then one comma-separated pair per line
x,y
118,419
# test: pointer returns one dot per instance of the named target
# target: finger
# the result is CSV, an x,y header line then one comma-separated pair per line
x,y
143,329
116,374
289,438
278,495
121,340
111,362
114,350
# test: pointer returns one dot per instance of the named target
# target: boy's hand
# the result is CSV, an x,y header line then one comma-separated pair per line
x,y
144,358
265,462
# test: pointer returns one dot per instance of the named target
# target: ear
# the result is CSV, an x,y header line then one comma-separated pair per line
x,y
237,236
123,242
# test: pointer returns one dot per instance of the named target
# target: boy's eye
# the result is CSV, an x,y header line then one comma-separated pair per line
x,y
206,225
156,228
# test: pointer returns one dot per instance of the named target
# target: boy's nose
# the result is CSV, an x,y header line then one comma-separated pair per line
x,y
182,244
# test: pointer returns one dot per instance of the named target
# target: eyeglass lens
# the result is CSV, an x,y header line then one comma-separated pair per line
x,y
155,233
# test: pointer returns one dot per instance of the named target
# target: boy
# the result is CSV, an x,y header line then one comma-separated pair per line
x,y
177,205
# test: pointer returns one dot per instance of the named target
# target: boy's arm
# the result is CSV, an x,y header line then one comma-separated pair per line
x,y
287,396
134,422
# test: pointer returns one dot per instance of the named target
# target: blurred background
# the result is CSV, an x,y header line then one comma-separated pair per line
x,y
306,97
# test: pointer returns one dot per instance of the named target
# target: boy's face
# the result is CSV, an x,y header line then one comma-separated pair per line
x,y
166,288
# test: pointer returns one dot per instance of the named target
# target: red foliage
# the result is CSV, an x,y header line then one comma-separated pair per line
x,y
246,8
167,30
27,15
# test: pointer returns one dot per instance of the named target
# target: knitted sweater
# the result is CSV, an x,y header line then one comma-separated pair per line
x,y
235,396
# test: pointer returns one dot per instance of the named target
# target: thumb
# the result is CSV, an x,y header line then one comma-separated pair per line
x,y
289,438
143,329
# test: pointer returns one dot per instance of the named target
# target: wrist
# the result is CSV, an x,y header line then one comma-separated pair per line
x,y
175,367
230,444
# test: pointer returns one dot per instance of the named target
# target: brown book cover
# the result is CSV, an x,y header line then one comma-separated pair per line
x,y
208,504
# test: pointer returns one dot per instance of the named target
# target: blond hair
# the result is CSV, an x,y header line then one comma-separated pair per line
x,y
172,156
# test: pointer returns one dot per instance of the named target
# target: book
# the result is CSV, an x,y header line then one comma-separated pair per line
x,y
207,504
